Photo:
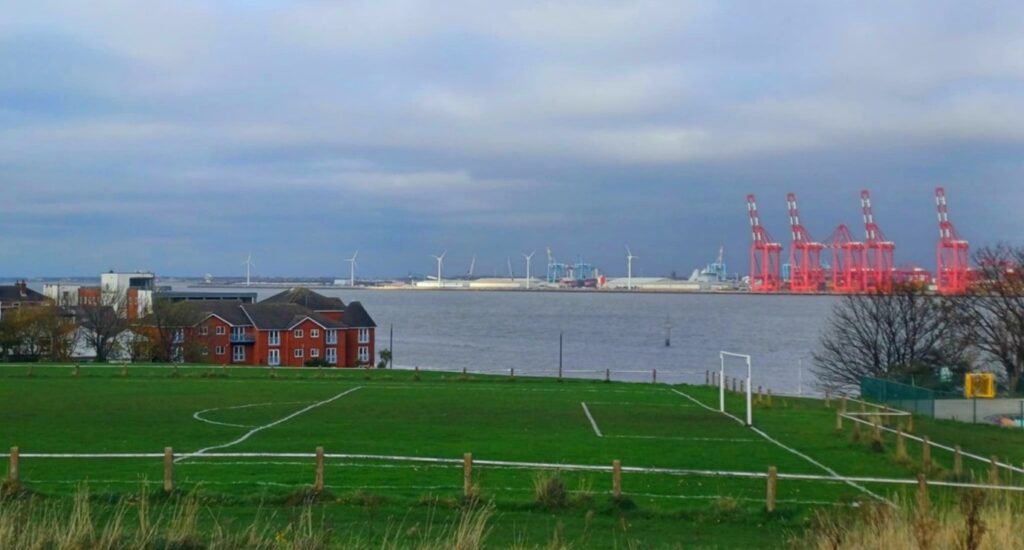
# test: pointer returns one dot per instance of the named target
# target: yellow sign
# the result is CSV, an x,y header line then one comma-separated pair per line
x,y
980,384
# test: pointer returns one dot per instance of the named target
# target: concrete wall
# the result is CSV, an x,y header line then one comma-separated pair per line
x,y
981,411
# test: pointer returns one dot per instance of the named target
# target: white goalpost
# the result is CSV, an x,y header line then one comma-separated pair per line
x,y
721,383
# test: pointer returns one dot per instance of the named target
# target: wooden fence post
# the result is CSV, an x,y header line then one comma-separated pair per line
x,y
318,483
910,424
773,480
901,445
922,492
616,478
926,453
607,375
168,469
958,461
13,467
828,400
769,397
707,378
993,471
467,475
654,376
839,421
512,372
760,395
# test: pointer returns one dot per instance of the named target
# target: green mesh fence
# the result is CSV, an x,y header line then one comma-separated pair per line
x,y
914,399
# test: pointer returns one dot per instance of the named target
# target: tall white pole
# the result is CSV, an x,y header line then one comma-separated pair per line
x,y
352,273
750,413
629,272
800,377
528,258
721,383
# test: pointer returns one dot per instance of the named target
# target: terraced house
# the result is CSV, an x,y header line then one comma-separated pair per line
x,y
293,328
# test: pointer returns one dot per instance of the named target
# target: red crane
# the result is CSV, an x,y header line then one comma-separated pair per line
x,y
847,261
805,272
764,254
879,252
952,254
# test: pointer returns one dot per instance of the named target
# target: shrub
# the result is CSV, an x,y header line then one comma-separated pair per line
x,y
549,490
315,363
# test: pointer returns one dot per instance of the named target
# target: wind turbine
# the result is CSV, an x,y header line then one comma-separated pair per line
x,y
440,262
352,269
528,258
629,269
249,264
472,264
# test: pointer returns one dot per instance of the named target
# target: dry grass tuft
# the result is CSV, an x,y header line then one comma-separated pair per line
x,y
549,490
980,522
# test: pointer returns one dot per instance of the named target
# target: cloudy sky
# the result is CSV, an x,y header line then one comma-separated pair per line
x,y
180,135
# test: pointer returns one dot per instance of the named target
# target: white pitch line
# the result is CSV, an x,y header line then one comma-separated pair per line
x,y
831,472
198,414
257,429
592,421
683,438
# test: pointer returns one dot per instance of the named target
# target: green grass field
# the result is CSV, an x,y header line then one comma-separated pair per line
x,y
381,414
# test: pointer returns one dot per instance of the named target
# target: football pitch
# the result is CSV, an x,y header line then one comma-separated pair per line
x,y
240,434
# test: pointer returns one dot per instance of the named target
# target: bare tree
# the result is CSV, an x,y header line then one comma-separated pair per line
x,y
994,310
887,335
102,322
167,327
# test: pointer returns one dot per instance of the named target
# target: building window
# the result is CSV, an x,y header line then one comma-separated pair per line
x,y
364,336
238,353
204,330
314,352
274,357
274,338
364,354
314,333
219,350
297,333
332,356
298,353
238,334
332,336
220,330
204,351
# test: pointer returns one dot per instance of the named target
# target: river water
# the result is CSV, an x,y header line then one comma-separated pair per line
x,y
497,331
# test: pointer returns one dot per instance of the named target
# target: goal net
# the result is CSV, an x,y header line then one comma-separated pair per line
x,y
734,386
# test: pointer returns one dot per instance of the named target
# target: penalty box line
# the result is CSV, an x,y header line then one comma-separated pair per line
x,y
769,438
258,429
598,433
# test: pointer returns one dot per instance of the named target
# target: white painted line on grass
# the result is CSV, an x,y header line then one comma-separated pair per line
x,y
258,429
634,404
592,421
831,472
683,438
199,414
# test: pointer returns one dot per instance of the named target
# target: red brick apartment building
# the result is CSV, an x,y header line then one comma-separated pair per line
x,y
287,329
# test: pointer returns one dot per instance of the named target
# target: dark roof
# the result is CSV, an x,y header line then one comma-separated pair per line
x,y
283,316
186,296
229,310
19,293
307,298
356,316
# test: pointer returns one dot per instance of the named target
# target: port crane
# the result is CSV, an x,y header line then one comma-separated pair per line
x,y
879,252
847,261
806,273
952,254
764,254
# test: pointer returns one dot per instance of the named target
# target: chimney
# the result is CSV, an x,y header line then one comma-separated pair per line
x,y
22,288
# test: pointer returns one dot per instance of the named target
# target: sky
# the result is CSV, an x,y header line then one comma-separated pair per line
x,y
180,136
